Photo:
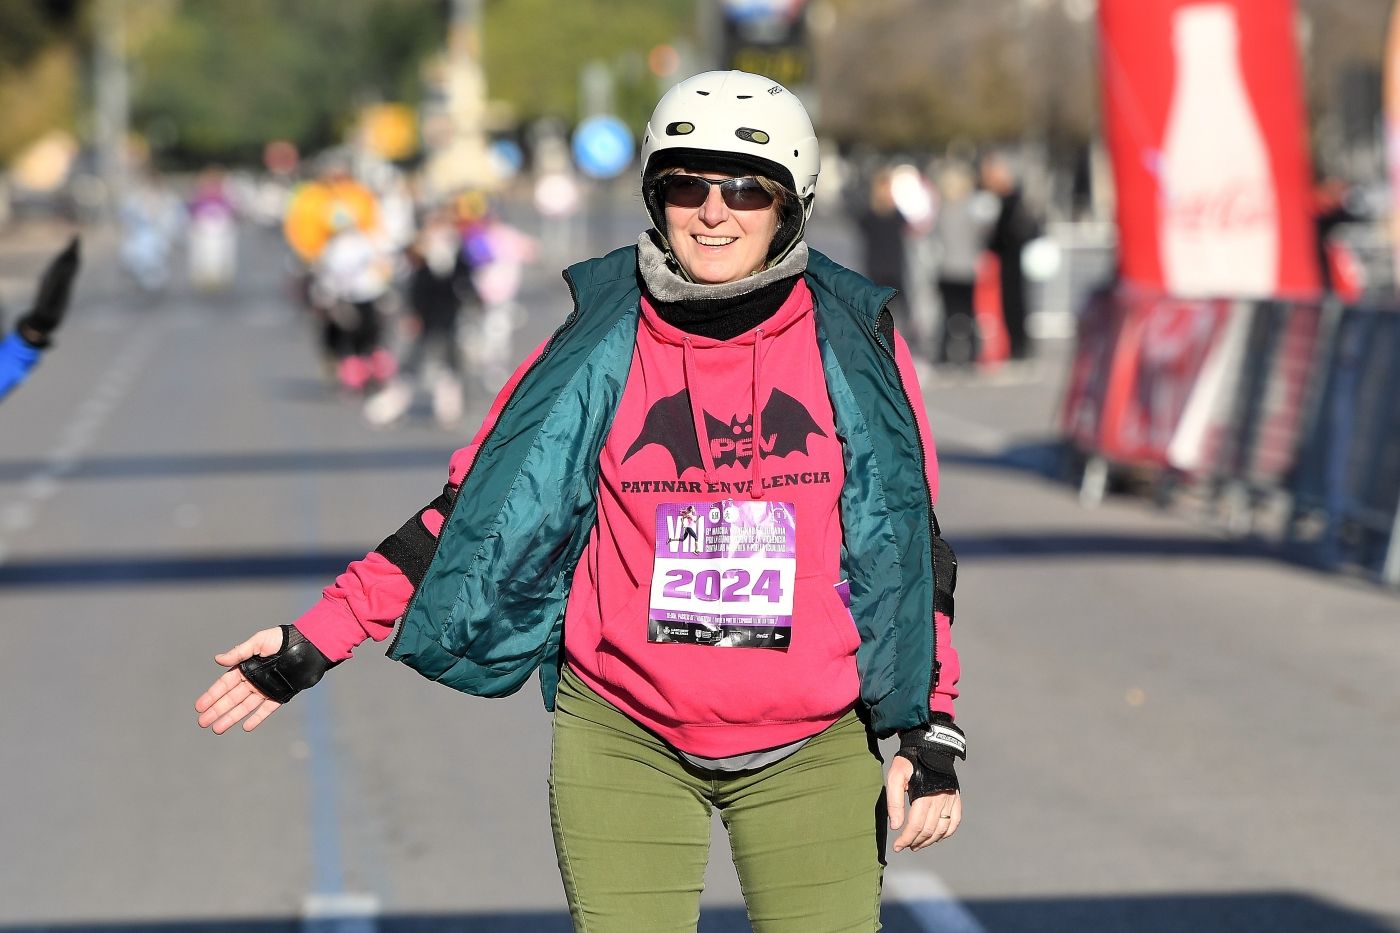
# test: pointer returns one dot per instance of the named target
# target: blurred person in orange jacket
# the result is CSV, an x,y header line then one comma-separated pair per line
x,y
333,203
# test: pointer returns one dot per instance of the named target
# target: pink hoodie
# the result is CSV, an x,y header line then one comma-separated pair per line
x,y
706,700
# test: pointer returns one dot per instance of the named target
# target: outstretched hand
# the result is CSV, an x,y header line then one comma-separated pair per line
x,y
930,819
232,698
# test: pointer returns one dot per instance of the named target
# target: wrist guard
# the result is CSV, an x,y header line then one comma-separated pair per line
x,y
297,665
931,749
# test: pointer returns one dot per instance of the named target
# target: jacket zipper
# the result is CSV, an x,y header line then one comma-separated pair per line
x,y
928,493
568,323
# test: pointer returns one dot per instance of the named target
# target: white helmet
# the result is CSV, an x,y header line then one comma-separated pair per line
x,y
733,121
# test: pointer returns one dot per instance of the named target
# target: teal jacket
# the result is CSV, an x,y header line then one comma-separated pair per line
x,y
490,609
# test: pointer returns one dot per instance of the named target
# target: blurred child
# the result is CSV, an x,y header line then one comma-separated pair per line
x,y
351,278
497,253
439,286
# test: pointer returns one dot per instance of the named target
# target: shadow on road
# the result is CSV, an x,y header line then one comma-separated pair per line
x,y
1264,912
82,570
1040,458
130,569
1261,912
153,466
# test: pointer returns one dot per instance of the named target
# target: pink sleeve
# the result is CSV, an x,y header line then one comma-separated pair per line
x,y
367,600
951,670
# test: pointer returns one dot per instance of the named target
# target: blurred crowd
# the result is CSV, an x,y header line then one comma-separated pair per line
x,y
951,238
410,294
414,296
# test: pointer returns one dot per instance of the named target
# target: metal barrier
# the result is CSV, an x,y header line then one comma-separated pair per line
x,y
1272,398
1348,465
1254,404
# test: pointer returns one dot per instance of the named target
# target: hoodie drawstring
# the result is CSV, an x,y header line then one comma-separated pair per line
x,y
701,435
698,421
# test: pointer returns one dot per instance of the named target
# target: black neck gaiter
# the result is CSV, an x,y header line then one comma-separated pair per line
x,y
723,318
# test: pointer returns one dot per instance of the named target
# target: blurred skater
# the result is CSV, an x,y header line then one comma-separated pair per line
x,y
351,280
213,242
542,554
152,218
497,253
439,286
334,202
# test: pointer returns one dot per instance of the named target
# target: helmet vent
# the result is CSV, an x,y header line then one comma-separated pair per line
x,y
744,96
752,136
680,129
703,93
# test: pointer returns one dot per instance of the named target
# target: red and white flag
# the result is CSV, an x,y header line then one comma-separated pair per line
x,y
1205,127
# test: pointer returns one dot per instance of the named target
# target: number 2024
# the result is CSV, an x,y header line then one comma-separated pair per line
x,y
730,586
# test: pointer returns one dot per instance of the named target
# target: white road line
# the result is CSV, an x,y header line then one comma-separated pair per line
x,y
44,483
340,913
927,899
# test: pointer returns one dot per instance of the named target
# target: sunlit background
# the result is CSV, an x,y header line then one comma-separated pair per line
x,y
1146,259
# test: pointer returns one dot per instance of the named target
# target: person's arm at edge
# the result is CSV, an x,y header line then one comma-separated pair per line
x,y
17,357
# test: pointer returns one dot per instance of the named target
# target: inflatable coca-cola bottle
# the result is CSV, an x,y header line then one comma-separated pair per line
x,y
1219,211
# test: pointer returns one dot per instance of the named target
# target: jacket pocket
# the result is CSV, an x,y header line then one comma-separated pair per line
x,y
623,631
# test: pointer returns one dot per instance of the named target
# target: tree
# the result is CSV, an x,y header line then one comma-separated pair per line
x,y
216,79
38,71
974,71
535,50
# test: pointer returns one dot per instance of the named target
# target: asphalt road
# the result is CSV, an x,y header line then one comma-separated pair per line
x,y
1168,732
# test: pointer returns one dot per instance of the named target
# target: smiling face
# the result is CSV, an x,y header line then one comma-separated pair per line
x,y
716,244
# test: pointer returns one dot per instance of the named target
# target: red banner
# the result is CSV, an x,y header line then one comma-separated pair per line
x,y
1391,97
1203,386
1146,386
1204,119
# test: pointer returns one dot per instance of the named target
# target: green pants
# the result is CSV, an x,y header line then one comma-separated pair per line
x,y
632,827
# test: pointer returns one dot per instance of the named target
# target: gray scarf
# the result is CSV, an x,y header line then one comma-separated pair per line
x,y
666,285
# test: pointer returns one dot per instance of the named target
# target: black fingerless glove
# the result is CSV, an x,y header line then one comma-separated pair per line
x,y
38,325
297,665
931,750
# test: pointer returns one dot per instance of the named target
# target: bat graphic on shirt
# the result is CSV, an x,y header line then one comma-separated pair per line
x,y
786,427
669,424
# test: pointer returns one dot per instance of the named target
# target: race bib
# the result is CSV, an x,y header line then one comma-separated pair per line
x,y
724,574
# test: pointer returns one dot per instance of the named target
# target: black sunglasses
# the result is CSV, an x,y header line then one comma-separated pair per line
x,y
740,194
